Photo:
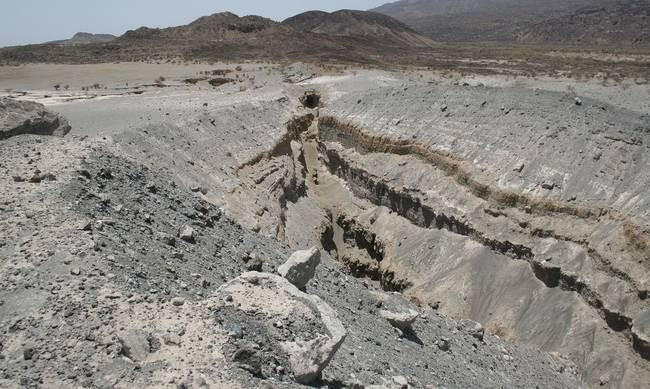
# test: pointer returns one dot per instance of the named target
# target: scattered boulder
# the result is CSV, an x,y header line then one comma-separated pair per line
x,y
187,234
401,320
199,189
84,225
28,117
28,353
396,309
249,358
396,382
254,263
548,185
519,168
265,299
167,239
301,267
39,176
135,345
473,328
443,344
310,99
152,188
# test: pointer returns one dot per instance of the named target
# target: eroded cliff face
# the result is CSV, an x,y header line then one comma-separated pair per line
x,y
535,273
524,210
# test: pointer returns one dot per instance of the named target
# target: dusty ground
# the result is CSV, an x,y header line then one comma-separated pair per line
x,y
519,203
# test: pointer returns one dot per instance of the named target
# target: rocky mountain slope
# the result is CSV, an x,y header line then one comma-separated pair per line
x,y
411,9
616,24
530,21
370,25
228,36
116,273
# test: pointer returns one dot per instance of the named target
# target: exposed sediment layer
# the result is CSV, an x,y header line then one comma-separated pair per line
x,y
410,206
352,136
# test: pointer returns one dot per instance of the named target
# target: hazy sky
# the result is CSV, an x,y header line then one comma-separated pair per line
x,y
36,21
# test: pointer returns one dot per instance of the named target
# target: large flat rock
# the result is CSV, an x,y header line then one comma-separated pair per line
x,y
27,117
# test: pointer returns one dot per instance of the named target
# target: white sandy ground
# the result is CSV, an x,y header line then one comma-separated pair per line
x,y
116,106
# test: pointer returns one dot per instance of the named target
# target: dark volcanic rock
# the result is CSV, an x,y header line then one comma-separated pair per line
x,y
27,117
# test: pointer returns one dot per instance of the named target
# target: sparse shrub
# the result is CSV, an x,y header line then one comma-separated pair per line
x,y
220,81
57,87
499,330
637,239
508,199
194,81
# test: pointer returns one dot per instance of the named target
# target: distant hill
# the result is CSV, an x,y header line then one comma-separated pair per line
x,y
369,25
84,38
219,26
225,36
625,24
509,20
